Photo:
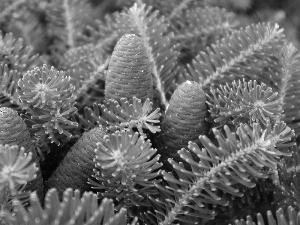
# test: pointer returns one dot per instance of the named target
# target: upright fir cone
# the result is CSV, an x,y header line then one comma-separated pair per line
x,y
184,120
77,166
129,71
13,131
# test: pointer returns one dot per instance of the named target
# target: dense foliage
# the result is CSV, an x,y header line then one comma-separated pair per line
x,y
159,112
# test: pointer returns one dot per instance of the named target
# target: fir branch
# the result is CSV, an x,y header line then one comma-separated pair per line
x,y
29,24
44,88
103,33
176,10
10,8
65,22
200,22
16,168
69,25
15,55
239,158
252,201
231,4
48,98
166,8
292,217
242,54
8,86
52,123
7,198
282,74
124,115
126,168
243,100
73,209
86,65
288,85
287,191
196,28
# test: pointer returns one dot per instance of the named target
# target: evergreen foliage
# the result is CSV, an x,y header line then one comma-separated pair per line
x,y
8,95
292,218
73,209
243,100
16,169
237,55
48,97
15,54
196,28
85,65
126,168
115,115
174,111
66,20
239,158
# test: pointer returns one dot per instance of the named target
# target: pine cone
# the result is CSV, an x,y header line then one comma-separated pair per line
x,y
13,131
129,71
184,120
77,166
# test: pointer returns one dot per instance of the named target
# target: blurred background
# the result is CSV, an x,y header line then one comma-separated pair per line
x,y
33,19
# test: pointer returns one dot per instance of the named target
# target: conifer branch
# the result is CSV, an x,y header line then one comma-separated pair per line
x,y
292,216
287,190
243,100
201,22
72,209
282,74
48,98
8,86
239,158
15,54
288,85
176,10
133,86
85,65
124,115
225,61
16,168
126,168
65,22
10,8
105,34
69,25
